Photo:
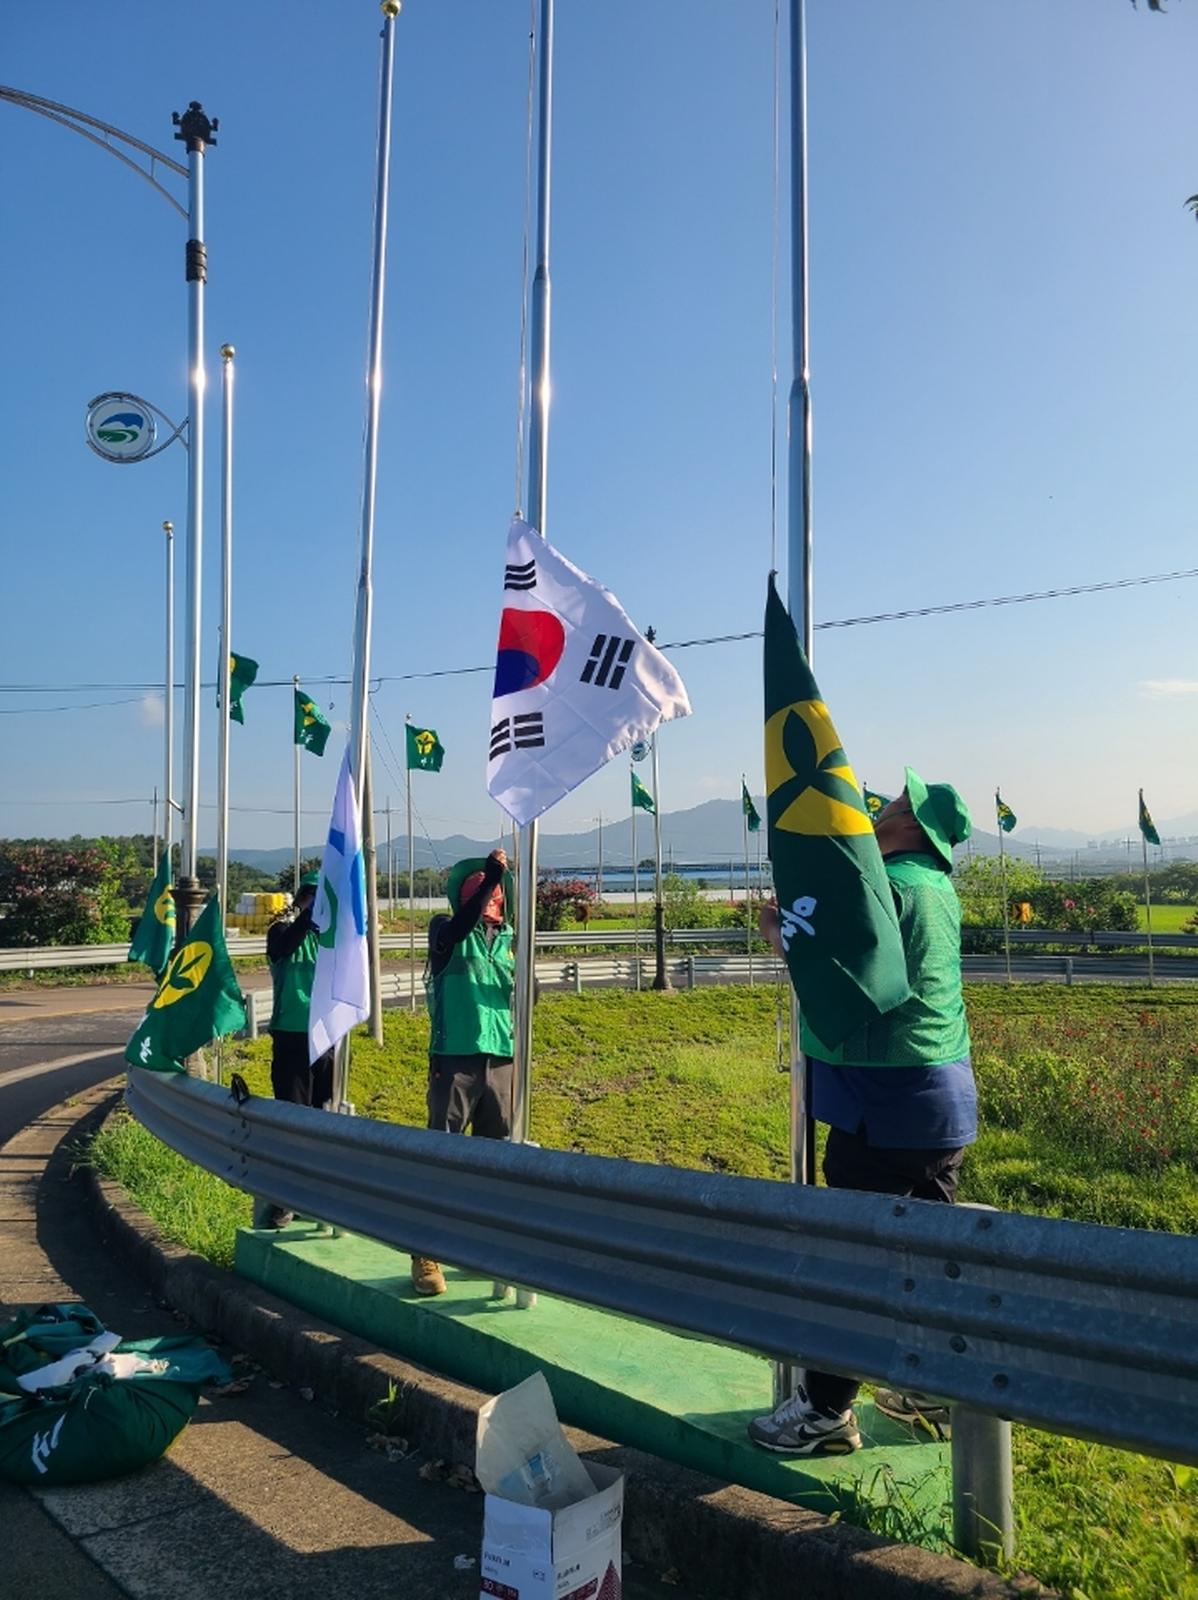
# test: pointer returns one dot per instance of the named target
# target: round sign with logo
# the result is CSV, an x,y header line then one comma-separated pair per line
x,y
640,750
120,427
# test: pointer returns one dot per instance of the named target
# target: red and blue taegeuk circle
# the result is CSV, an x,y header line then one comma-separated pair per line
x,y
530,647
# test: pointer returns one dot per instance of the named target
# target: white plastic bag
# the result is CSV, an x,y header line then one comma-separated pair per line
x,y
522,1453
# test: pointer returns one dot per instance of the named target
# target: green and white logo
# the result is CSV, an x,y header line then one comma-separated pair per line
x,y
120,427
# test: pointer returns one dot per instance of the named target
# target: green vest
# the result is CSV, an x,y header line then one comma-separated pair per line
x,y
471,1000
930,1029
292,979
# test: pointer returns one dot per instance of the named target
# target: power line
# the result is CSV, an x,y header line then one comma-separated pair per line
x,y
676,644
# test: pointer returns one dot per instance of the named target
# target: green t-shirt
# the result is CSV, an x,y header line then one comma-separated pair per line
x,y
292,979
930,1029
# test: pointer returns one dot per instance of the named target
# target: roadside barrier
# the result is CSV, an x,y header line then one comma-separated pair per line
x,y
1085,1331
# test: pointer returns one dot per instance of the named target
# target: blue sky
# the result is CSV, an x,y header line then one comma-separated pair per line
x,y
1004,348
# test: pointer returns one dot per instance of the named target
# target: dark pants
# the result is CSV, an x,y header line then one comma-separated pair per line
x,y
850,1163
472,1092
292,1077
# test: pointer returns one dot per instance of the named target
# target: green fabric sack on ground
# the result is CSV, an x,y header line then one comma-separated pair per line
x,y
79,1404
96,1428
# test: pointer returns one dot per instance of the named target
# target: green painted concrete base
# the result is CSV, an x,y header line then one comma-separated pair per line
x,y
640,1385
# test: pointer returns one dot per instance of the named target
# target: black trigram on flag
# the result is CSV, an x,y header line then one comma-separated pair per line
x,y
606,663
520,575
525,732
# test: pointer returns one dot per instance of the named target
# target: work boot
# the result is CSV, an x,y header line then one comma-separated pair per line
x,y
427,1277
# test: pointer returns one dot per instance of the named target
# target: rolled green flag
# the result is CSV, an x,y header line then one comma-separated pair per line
x,y
312,727
749,809
1147,826
242,672
1006,817
837,919
424,749
641,797
198,999
156,928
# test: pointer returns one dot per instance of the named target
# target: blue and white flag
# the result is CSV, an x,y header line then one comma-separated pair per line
x,y
575,681
341,986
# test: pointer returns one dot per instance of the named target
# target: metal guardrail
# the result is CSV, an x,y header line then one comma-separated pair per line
x,y
1086,1331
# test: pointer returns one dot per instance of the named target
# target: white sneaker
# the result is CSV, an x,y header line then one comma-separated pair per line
x,y
797,1428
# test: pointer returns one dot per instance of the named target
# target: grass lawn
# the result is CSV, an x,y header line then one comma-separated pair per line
x,y
1089,1100
1167,919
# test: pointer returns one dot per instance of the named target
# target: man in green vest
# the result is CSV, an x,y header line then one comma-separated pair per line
x,y
291,953
469,981
898,1094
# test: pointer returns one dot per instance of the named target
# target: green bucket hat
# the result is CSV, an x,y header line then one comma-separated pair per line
x,y
461,870
940,812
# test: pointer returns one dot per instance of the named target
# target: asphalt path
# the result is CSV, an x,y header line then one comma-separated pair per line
x,y
46,1060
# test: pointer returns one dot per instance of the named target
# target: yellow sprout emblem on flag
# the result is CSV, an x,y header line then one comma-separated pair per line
x,y
164,908
424,741
808,779
187,971
308,708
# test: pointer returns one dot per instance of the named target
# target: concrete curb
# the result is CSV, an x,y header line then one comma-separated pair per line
x,y
719,1539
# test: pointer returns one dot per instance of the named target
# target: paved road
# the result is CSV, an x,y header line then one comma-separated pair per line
x,y
43,1061
263,1494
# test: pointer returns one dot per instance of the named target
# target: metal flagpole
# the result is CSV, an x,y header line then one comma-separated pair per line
x,y
370,859
799,563
390,863
599,873
744,817
364,615
411,877
1006,905
296,789
227,353
1147,898
538,486
636,900
660,979
195,131
168,820
154,804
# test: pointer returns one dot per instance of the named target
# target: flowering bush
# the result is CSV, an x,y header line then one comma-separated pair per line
x,y
556,897
61,894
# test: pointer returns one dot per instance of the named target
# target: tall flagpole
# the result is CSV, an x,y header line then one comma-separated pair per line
x,y
364,617
227,353
168,820
370,858
537,494
1006,905
799,553
296,789
636,899
411,877
799,566
1147,897
661,979
744,817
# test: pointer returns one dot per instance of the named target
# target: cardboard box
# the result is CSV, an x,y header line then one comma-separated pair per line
x,y
572,1554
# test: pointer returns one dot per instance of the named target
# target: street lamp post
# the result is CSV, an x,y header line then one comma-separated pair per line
x,y
168,827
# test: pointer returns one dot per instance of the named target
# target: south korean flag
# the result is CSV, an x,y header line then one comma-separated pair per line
x,y
575,683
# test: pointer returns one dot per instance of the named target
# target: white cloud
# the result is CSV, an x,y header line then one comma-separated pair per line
x,y
151,712
1168,688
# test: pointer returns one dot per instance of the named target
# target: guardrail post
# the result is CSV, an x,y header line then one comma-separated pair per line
x,y
1069,970
690,972
576,974
251,1015
983,1494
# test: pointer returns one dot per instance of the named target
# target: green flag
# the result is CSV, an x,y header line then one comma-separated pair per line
x,y
749,809
641,796
1006,817
838,922
1147,826
156,930
424,749
875,803
242,672
311,725
198,999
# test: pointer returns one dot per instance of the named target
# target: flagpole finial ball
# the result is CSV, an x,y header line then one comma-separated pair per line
x,y
168,527
391,8
227,352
